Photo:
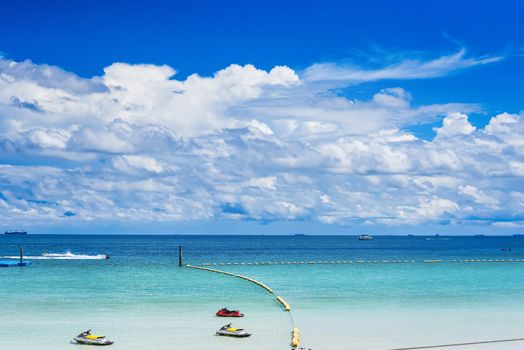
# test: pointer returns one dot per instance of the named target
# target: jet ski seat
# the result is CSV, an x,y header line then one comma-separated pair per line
x,y
95,337
234,329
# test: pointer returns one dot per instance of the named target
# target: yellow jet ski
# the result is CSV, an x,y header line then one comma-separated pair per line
x,y
90,339
229,331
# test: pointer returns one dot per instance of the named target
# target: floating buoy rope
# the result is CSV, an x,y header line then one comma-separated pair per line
x,y
340,262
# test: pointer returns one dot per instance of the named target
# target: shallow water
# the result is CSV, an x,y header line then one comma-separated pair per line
x,y
140,298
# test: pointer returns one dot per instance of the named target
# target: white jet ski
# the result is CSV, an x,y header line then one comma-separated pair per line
x,y
229,331
90,339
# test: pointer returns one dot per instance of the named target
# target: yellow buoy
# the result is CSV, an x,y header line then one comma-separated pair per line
x,y
284,303
295,337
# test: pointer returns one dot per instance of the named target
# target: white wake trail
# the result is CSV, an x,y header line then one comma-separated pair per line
x,y
61,256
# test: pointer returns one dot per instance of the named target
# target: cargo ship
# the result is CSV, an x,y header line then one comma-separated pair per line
x,y
15,232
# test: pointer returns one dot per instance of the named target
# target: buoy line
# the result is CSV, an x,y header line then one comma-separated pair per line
x,y
295,333
461,344
360,261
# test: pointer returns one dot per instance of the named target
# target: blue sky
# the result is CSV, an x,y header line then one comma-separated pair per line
x,y
270,117
205,36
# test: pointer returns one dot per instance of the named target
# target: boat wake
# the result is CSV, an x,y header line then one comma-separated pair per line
x,y
62,256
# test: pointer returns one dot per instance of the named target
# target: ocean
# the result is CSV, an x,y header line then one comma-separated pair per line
x,y
141,299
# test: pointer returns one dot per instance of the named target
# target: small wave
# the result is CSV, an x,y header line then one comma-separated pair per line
x,y
61,256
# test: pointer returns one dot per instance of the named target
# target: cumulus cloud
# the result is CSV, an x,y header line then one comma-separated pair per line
x,y
455,124
393,97
248,144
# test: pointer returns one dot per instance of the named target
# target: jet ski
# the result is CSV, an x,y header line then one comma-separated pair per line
x,y
90,339
229,313
229,331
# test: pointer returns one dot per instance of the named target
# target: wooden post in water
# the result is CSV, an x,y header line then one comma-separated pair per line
x,y
180,255
21,254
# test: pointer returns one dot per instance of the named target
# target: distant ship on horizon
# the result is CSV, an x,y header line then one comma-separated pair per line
x,y
15,232
365,237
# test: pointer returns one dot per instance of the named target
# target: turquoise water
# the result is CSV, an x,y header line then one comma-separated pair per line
x,y
140,298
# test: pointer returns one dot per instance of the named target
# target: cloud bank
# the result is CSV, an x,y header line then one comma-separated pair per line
x,y
136,144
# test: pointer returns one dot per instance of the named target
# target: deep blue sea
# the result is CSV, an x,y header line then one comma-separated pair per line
x,y
144,300
203,249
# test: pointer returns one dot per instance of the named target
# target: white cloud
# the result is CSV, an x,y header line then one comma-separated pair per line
x,y
393,97
406,69
269,183
502,124
47,138
478,196
435,207
325,199
49,77
139,144
510,224
125,162
455,124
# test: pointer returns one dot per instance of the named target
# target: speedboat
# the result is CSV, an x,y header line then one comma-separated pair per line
x,y
365,237
229,331
90,339
229,313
